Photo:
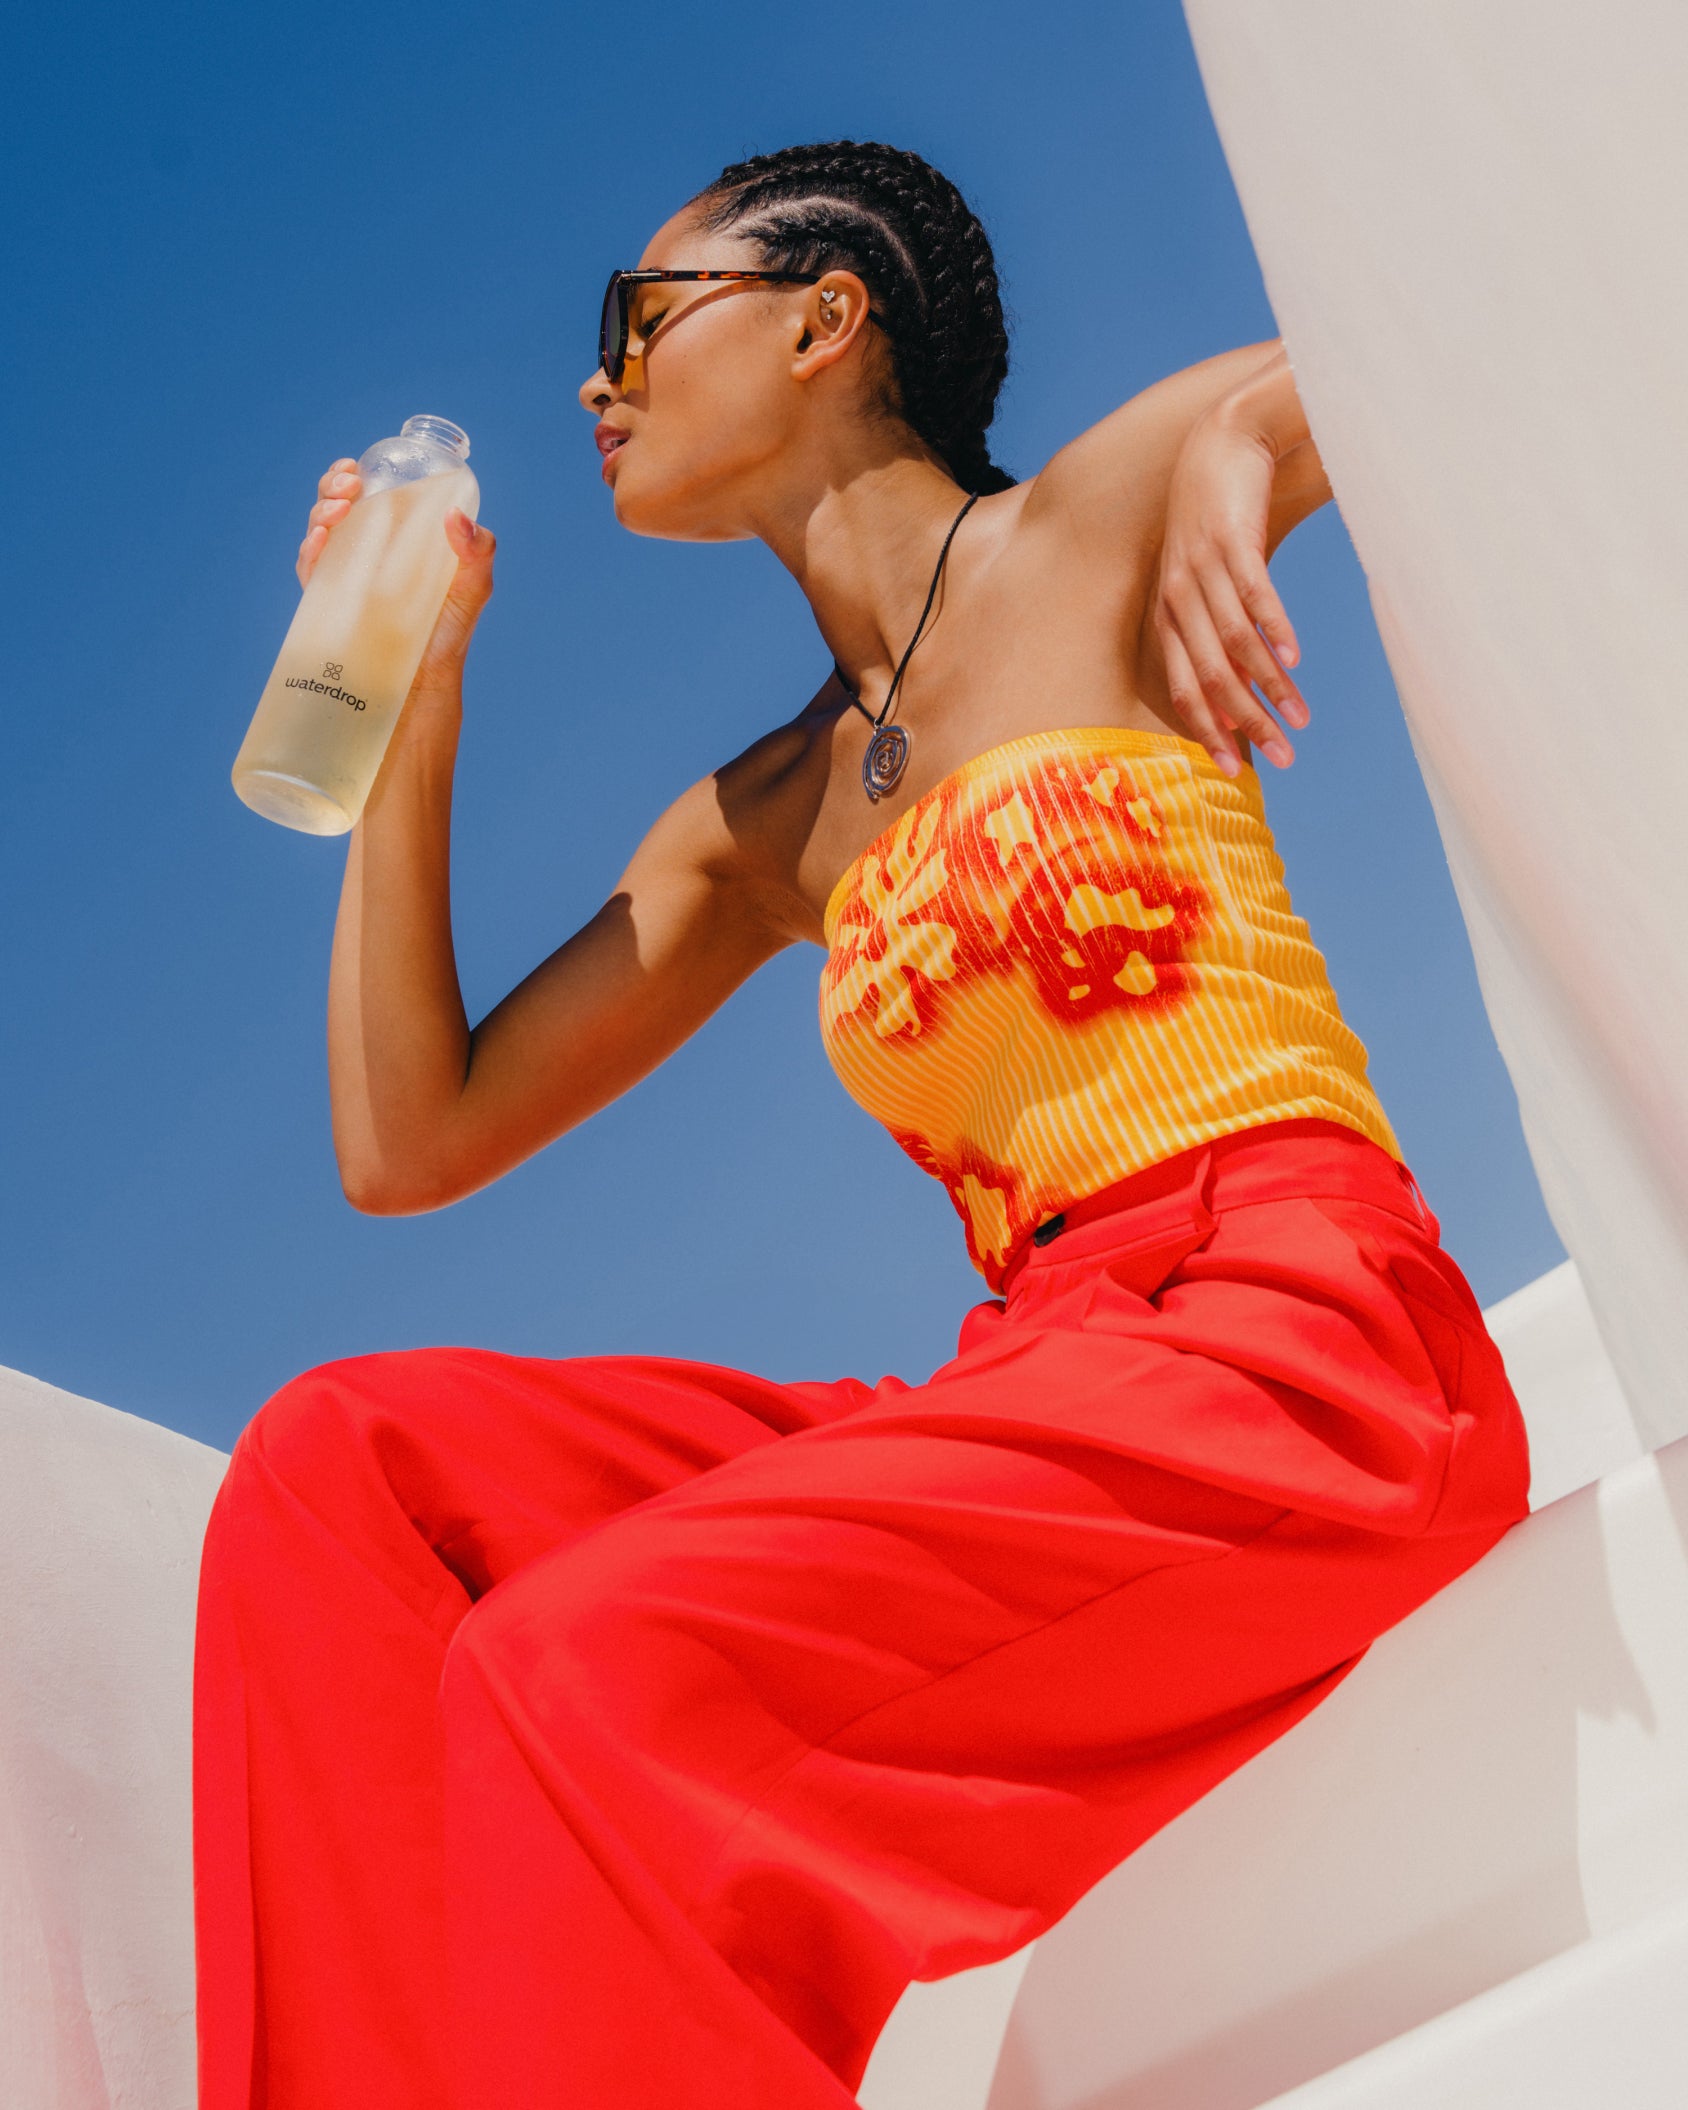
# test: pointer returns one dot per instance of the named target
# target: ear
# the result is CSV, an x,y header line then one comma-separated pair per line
x,y
832,317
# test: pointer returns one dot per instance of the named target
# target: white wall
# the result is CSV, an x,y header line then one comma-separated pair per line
x,y
1469,215
99,1565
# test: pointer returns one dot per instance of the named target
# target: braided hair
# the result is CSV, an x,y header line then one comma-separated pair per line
x,y
910,236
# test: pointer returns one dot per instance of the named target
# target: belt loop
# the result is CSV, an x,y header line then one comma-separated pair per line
x,y
1201,1192
1419,1203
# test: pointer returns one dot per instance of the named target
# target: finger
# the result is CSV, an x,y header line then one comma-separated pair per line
x,y
309,551
1227,695
462,533
471,583
1249,655
475,547
338,475
1191,705
1260,600
339,491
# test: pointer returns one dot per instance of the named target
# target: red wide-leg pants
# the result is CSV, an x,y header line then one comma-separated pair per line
x,y
630,1732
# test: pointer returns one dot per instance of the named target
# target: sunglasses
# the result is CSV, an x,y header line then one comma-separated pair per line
x,y
613,327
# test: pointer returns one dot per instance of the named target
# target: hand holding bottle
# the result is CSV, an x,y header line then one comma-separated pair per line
x,y
338,489
395,574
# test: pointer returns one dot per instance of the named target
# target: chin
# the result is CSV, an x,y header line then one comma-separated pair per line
x,y
671,511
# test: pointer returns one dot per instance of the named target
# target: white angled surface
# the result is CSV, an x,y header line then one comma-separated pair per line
x,y
1604,2027
939,2049
1502,1779
1579,1423
1465,215
99,1562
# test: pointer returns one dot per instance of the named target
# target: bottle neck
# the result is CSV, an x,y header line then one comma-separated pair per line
x,y
438,432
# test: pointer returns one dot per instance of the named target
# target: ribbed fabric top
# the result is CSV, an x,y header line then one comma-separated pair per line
x,y
1073,957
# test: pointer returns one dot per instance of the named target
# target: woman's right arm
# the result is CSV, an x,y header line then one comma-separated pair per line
x,y
427,1109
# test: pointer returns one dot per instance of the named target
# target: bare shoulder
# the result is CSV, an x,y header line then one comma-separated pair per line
x,y
1115,477
744,829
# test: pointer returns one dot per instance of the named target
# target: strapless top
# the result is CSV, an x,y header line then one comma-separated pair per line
x,y
1073,957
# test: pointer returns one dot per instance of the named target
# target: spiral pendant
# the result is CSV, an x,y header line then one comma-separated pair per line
x,y
885,760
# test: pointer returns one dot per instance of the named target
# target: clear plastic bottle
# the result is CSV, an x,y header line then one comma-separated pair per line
x,y
348,659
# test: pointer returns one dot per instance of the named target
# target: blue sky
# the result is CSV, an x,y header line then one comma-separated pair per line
x,y
245,241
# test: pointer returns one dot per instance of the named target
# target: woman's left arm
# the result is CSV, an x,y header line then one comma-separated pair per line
x,y
1246,473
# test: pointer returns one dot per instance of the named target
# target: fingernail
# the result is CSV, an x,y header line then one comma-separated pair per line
x,y
1294,710
1226,763
1279,753
341,483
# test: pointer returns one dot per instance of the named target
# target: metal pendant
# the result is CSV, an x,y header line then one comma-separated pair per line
x,y
885,760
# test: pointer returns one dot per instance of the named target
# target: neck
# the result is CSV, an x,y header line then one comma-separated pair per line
x,y
863,547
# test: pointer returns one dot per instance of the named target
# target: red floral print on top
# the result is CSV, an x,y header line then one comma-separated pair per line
x,y
1060,875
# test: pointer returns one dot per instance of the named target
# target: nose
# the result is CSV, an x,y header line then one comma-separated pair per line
x,y
597,393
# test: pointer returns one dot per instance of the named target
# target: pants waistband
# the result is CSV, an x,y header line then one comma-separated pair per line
x,y
1182,1195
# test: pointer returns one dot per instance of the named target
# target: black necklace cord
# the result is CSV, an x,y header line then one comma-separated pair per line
x,y
902,665
851,694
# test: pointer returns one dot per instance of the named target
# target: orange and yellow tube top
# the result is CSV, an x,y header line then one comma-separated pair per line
x,y
1073,957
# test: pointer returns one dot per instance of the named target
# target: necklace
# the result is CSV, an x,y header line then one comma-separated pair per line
x,y
887,749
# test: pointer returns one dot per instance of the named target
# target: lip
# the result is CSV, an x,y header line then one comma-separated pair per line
x,y
610,441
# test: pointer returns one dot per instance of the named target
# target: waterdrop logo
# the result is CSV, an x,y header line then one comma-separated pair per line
x,y
332,669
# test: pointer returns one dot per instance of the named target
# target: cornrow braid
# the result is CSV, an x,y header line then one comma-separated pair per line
x,y
910,236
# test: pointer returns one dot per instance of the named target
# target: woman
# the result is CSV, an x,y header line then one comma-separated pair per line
x,y
625,1731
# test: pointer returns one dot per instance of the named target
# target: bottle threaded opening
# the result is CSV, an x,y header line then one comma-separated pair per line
x,y
441,431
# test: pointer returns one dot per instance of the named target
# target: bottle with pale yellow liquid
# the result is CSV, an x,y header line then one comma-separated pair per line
x,y
348,659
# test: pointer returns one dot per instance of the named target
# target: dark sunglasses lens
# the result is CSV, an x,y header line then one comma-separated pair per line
x,y
612,331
